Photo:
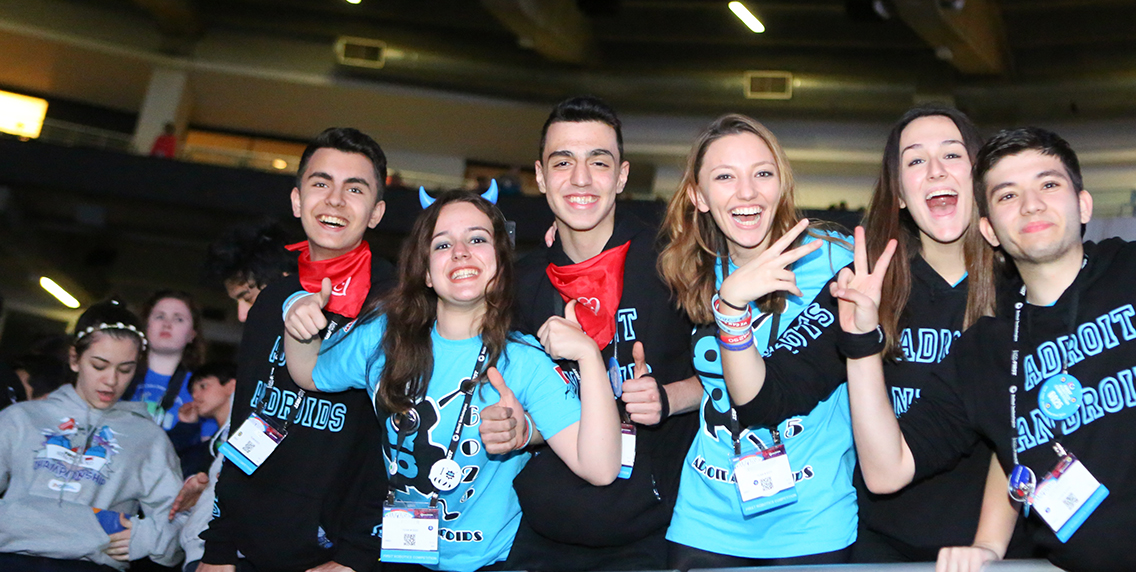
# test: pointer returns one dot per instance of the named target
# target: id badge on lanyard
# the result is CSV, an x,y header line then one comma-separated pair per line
x,y
627,429
1067,496
1069,493
410,529
257,438
764,478
410,532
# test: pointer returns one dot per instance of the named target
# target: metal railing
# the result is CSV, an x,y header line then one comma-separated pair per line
x,y
75,135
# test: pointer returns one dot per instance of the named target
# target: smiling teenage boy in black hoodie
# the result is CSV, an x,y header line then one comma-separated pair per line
x,y
606,263
289,511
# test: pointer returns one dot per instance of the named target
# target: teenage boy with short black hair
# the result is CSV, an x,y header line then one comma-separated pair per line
x,y
211,386
289,511
606,262
246,259
1050,376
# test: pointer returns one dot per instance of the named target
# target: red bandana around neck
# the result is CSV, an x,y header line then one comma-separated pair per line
x,y
350,276
595,284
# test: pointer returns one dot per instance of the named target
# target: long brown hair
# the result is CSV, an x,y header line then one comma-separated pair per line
x,y
886,220
411,308
694,243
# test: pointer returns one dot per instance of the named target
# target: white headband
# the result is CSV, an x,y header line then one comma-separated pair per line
x,y
113,326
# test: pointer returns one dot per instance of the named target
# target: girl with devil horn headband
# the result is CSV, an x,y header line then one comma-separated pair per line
x,y
414,350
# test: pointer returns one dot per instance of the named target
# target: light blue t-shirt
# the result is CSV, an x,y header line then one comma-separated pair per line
x,y
708,513
479,518
151,391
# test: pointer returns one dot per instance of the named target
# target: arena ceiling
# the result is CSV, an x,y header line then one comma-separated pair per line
x,y
1003,60
474,79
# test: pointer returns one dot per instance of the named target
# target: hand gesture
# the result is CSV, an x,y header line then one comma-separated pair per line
x,y
563,338
187,413
964,558
119,547
641,394
189,493
503,427
769,272
858,291
305,318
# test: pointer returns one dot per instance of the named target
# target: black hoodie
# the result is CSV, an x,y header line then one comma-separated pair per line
x,y
573,511
943,509
289,512
1094,324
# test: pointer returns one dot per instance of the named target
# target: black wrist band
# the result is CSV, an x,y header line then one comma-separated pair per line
x,y
738,308
856,346
664,401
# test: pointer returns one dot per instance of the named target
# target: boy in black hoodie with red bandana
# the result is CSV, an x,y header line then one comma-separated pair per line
x,y
292,510
605,262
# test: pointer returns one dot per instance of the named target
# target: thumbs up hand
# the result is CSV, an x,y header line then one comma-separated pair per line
x,y
305,318
503,427
563,338
641,394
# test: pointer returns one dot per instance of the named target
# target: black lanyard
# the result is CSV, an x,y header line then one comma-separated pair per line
x,y
735,427
1015,354
268,389
407,425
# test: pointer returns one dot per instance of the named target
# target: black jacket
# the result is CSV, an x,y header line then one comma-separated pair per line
x,y
570,510
274,517
969,399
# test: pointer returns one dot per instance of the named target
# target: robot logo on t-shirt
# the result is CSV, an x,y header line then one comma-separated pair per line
x,y
416,454
425,444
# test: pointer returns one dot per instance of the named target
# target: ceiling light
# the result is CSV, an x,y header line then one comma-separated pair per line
x,y
354,1
279,164
21,115
747,17
59,293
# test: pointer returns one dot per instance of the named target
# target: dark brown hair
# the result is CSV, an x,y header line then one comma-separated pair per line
x,y
1014,141
580,110
347,140
886,220
411,308
194,353
693,240
107,312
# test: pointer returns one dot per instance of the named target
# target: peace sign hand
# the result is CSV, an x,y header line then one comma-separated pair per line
x,y
858,291
768,272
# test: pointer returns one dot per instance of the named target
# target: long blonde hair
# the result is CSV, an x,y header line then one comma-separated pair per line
x,y
694,243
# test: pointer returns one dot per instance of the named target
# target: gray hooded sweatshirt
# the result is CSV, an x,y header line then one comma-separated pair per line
x,y
60,458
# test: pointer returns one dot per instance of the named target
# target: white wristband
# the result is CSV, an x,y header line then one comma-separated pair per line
x,y
529,428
